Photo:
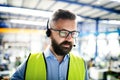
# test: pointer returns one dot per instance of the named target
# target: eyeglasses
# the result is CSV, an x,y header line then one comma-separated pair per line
x,y
65,33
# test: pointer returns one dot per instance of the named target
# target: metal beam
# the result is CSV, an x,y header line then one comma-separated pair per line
x,y
92,6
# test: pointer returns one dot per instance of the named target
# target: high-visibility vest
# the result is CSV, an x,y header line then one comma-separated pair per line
x,y
36,68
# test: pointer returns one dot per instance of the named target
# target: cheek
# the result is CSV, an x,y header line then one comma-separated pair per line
x,y
59,40
56,38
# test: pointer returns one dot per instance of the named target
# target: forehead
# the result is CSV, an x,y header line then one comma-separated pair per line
x,y
66,24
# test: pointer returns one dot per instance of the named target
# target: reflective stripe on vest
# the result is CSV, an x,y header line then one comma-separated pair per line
x,y
36,68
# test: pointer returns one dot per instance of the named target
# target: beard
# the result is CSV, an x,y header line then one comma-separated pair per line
x,y
59,49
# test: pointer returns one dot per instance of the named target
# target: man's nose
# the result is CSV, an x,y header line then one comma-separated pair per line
x,y
69,36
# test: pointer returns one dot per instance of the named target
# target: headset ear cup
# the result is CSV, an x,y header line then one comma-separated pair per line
x,y
48,32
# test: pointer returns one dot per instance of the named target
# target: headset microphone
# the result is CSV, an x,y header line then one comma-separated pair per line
x,y
74,45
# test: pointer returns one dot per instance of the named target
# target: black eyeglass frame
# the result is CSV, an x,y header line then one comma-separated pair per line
x,y
68,32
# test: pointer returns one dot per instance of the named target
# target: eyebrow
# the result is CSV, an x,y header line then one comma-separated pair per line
x,y
67,30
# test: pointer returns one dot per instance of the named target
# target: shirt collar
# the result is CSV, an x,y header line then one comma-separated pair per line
x,y
49,54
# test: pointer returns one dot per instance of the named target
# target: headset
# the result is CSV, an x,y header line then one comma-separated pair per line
x,y
48,32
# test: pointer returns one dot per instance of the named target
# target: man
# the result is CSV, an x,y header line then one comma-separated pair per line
x,y
56,62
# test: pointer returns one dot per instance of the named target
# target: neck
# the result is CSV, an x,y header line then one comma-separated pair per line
x,y
59,57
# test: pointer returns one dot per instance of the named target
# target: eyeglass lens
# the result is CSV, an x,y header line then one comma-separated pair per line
x,y
67,33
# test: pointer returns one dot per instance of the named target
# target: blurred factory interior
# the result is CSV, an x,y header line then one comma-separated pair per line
x,y
23,25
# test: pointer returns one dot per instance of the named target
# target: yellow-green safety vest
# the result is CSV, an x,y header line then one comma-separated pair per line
x,y
36,68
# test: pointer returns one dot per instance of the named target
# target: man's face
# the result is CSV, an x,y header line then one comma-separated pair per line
x,y
62,45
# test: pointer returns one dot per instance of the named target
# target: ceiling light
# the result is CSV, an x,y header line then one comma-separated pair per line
x,y
116,0
23,11
111,22
37,23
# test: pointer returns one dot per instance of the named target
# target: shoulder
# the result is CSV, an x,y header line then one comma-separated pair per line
x,y
35,54
35,57
76,56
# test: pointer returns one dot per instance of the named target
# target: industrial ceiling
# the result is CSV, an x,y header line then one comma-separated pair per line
x,y
29,13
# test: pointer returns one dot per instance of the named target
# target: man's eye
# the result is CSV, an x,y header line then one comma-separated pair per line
x,y
63,33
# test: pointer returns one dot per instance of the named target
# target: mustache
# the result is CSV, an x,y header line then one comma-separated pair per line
x,y
66,42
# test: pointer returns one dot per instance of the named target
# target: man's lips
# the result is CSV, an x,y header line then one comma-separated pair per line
x,y
66,45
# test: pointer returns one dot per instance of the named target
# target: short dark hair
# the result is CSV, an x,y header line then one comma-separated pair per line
x,y
63,14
